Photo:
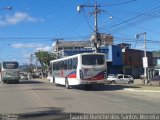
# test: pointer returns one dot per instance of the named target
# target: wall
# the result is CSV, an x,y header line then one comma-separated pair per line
x,y
132,60
116,56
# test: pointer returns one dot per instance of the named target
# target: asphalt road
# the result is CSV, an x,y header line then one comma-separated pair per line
x,y
39,99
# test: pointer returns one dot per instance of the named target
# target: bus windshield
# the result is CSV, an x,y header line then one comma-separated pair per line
x,y
93,59
10,65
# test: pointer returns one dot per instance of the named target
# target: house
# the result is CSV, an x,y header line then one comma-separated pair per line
x,y
133,60
113,58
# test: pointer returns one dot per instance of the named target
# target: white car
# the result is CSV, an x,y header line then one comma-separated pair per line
x,y
111,75
121,79
24,77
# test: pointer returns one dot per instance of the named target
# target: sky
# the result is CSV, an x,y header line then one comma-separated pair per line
x,y
33,25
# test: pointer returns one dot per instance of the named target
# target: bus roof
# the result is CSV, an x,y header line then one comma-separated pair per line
x,y
76,56
9,61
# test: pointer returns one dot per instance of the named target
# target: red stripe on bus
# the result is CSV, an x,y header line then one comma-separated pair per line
x,y
72,76
97,77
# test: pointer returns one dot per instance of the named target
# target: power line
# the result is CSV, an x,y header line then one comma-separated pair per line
x,y
84,14
120,3
38,38
43,38
142,18
71,25
135,22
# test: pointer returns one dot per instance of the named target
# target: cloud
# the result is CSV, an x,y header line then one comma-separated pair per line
x,y
26,54
18,17
36,46
29,45
45,48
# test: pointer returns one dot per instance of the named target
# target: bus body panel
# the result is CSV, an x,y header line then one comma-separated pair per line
x,y
10,72
82,74
93,73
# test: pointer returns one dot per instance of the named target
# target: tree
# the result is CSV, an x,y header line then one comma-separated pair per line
x,y
45,57
156,53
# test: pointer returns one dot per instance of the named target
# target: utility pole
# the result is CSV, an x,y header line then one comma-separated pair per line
x,y
36,64
57,46
96,11
145,59
31,60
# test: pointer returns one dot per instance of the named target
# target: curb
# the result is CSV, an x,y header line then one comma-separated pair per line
x,y
135,90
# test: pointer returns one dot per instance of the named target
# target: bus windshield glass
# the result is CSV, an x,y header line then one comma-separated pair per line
x,y
10,65
93,59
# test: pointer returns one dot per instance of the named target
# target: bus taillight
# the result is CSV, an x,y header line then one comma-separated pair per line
x,y
105,74
81,74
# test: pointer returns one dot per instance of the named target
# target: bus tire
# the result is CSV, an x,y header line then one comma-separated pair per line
x,y
17,81
3,82
67,84
53,80
88,86
113,82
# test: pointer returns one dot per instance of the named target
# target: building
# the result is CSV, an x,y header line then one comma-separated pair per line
x,y
132,60
68,48
113,58
156,58
156,63
67,45
105,39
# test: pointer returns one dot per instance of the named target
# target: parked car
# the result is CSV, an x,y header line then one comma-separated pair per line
x,y
24,77
155,80
110,75
121,79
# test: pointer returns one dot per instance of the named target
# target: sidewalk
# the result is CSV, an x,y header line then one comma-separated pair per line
x,y
139,86
138,81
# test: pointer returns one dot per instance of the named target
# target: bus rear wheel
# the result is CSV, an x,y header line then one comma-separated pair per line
x,y
54,82
67,84
4,82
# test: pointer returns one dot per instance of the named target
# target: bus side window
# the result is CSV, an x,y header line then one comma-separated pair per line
x,y
56,66
53,68
60,65
69,64
75,61
65,64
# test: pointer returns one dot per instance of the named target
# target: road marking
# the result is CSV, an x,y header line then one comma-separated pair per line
x,y
36,95
134,90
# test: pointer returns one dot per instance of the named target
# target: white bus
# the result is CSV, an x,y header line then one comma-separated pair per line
x,y
85,69
10,72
